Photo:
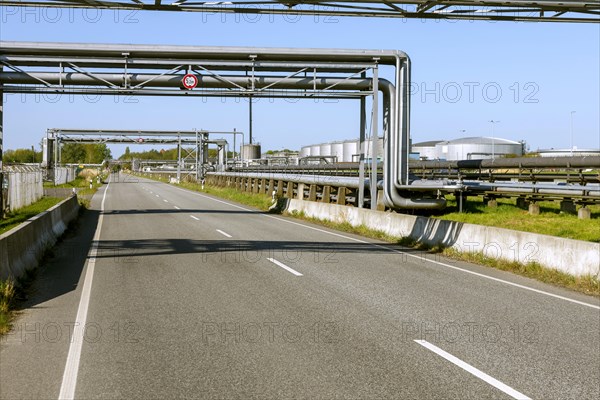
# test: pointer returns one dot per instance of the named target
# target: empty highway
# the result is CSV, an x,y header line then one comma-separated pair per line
x,y
166,293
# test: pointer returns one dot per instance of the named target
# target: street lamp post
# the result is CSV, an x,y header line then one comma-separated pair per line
x,y
493,148
572,112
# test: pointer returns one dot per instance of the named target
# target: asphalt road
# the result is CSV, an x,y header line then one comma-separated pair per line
x,y
188,296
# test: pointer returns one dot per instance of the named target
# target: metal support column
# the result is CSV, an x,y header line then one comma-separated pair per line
x,y
250,121
179,159
375,138
197,157
234,136
361,149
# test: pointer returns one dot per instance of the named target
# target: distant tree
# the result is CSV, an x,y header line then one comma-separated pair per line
x,y
73,153
20,156
127,155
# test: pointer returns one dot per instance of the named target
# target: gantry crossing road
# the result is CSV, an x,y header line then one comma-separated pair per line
x,y
161,292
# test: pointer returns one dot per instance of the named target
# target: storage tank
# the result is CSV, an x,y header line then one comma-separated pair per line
x,y
315,150
325,149
350,149
251,151
337,149
305,151
426,150
479,148
369,148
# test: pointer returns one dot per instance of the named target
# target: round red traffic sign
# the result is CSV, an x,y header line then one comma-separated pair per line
x,y
189,81
140,140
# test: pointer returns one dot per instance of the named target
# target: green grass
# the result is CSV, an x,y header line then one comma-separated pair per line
x,y
589,284
7,294
262,202
507,215
19,216
82,186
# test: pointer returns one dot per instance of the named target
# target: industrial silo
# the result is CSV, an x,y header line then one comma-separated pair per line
x,y
251,152
337,149
315,150
426,150
325,149
305,151
478,148
350,150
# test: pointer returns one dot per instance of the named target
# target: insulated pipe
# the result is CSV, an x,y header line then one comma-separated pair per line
x,y
395,120
339,181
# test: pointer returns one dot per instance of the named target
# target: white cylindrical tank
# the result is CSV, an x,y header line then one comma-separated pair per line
x,y
325,149
315,150
478,148
337,149
426,150
251,151
350,150
305,151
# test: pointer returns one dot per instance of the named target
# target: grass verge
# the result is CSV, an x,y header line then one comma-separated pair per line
x,y
507,215
82,186
21,215
7,295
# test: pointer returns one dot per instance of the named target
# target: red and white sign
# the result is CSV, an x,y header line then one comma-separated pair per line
x,y
189,81
140,140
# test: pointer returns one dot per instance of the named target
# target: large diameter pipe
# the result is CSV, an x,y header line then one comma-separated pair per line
x,y
520,162
174,80
340,181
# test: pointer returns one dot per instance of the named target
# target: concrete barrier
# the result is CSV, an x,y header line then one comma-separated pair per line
x,y
22,247
575,257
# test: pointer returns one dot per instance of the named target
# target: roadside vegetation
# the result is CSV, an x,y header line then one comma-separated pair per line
x,y
21,215
7,296
81,184
507,215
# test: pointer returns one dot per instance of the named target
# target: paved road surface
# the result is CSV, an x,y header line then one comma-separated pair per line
x,y
189,296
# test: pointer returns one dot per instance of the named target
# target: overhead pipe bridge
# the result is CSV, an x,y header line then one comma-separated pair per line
x,y
138,70
483,10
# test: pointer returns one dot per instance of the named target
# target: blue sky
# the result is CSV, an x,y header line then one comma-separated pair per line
x,y
529,76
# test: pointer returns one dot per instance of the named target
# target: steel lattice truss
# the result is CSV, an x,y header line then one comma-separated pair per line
x,y
497,10
159,70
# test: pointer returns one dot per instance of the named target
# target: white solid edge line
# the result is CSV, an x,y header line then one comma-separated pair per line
x,y
69,381
224,233
195,218
282,265
556,296
474,371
